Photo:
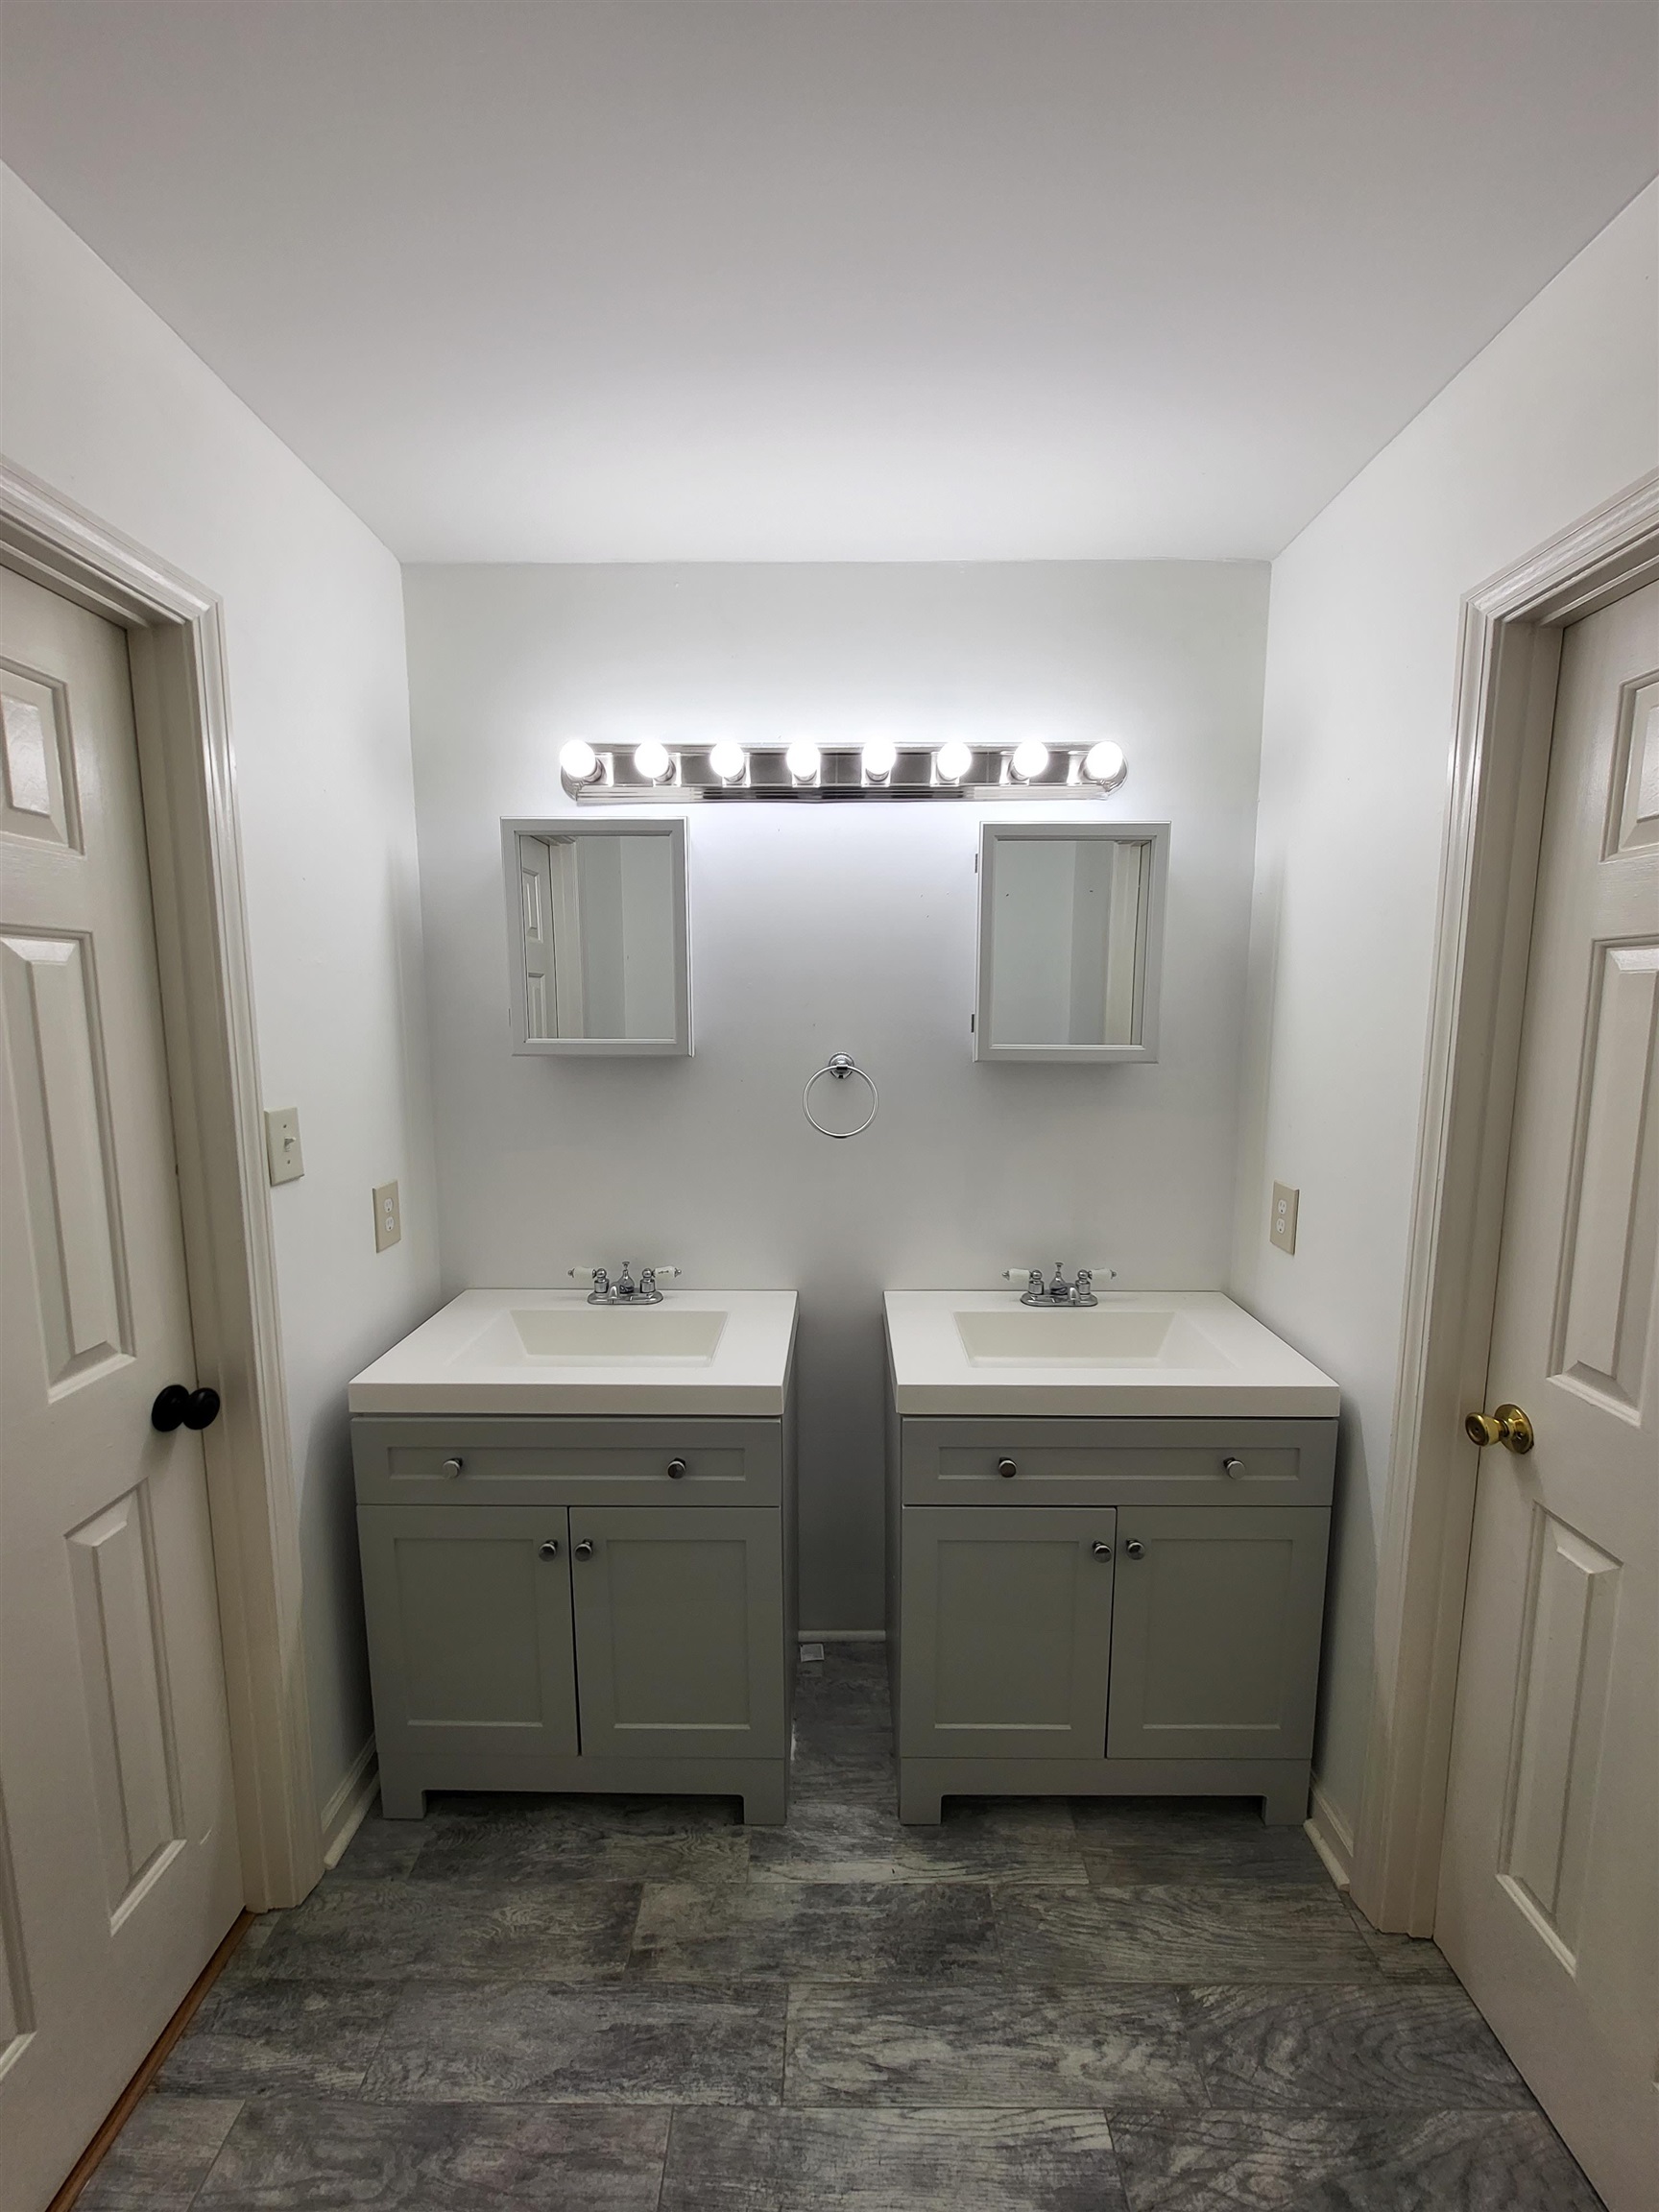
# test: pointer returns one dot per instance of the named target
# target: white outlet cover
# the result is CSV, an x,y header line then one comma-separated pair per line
x,y
388,1217
1282,1224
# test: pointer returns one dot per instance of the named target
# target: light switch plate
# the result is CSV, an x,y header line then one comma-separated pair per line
x,y
388,1217
283,1154
1281,1229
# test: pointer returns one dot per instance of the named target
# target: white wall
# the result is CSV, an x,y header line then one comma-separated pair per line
x,y
104,402
1560,412
834,928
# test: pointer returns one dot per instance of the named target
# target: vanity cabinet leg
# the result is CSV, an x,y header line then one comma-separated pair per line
x,y
1286,1804
766,1805
400,1800
919,1806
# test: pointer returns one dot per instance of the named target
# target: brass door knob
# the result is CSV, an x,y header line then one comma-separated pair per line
x,y
1007,1469
1505,1425
676,1469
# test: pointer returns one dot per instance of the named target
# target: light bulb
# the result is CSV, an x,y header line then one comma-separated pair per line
x,y
1030,758
952,760
578,761
651,760
1104,763
879,756
727,760
802,759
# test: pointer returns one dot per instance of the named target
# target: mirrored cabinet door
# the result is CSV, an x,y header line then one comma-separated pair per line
x,y
598,936
1070,934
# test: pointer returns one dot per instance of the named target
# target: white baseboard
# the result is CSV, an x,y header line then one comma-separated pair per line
x,y
841,1636
1332,1838
342,1814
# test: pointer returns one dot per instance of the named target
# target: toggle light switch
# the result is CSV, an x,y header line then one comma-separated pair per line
x,y
282,1155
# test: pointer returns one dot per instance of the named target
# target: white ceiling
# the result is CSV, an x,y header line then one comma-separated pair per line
x,y
863,280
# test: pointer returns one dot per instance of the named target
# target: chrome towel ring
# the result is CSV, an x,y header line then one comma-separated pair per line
x,y
839,1065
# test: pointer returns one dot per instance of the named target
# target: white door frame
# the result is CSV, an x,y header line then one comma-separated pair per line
x,y
1509,655
176,642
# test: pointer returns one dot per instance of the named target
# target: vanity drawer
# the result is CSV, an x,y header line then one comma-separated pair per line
x,y
557,1461
1105,1462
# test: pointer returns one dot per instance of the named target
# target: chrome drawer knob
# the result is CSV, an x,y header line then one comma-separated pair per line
x,y
1102,1550
451,1468
1007,1469
1135,1547
676,1468
585,1549
550,1549
1232,1468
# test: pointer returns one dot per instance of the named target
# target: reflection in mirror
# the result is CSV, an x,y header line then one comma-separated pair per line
x,y
598,915
1068,942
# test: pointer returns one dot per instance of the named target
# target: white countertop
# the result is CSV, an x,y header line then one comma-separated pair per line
x,y
499,1352
1189,1353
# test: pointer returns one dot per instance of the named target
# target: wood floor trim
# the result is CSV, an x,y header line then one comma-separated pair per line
x,y
121,2111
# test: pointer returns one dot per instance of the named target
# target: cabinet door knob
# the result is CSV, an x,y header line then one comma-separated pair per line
x,y
1232,1468
1135,1547
452,1467
550,1549
1007,1469
585,1549
676,1468
1102,1550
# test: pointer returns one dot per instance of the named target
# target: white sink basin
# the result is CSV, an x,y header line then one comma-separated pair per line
x,y
1088,1336
550,1351
1183,1353
581,1334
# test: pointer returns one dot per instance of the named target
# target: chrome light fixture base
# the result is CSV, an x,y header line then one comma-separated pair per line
x,y
841,777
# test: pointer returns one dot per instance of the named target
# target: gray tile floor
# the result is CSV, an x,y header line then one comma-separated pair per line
x,y
639,2006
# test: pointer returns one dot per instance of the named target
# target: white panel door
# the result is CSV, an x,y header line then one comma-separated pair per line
x,y
1549,1901
118,1861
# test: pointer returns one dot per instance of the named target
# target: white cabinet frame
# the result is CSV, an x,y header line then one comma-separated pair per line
x,y
679,1045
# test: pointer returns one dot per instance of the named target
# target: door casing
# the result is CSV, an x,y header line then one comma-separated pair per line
x,y
174,636
1510,653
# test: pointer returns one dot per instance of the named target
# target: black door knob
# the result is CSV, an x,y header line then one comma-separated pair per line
x,y
177,1407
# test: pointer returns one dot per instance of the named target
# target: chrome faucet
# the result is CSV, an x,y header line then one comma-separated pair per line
x,y
624,1291
1080,1291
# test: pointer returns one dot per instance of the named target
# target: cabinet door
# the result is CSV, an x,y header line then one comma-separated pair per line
x,y
469,1632
680,1631
1216,1646
1006,1617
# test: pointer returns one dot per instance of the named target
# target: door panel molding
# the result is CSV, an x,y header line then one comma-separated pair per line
x,y
176,645
1510,653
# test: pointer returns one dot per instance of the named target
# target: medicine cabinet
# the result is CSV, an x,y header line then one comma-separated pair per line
x,y
1071,941
597,935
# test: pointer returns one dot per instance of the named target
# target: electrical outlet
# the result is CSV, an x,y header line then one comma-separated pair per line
x,y
388,1217
282,1155
1281,1228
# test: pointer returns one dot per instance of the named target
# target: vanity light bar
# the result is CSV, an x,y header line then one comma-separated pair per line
x,y
626,774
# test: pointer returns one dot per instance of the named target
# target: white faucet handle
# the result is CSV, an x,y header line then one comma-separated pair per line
x,y
583,1274
668,1274
1101,1274
1018,1274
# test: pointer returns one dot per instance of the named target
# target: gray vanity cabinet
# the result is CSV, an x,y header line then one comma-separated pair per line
x,y
679,1623
1106,1608
571,1605
1007,1632
473,1650
1216,1631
